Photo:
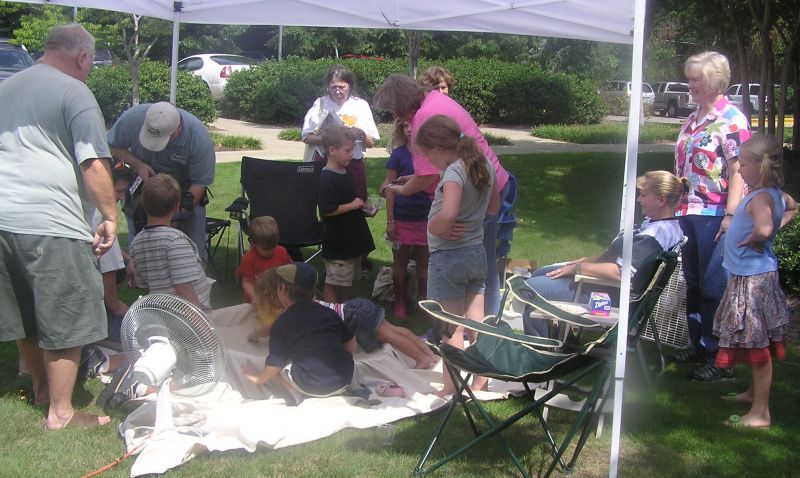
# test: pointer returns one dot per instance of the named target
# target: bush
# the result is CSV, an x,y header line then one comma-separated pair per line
x,y
492,91
607,133
111,86
787,242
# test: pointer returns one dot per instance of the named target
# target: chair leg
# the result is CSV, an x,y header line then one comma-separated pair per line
x,y
495,428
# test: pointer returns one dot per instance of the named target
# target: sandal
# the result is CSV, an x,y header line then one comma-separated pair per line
x,y
735,421
390,389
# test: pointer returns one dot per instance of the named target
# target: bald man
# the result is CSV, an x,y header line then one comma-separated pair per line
x,y
54,161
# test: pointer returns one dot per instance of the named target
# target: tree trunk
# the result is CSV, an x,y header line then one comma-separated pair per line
x,y
134,71
790,42
414,40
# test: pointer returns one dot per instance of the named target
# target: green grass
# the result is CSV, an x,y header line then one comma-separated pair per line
x,y
568,206
496,139
385,130
607,133
228,142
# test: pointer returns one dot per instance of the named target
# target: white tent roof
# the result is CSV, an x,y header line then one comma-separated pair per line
x,y
606,21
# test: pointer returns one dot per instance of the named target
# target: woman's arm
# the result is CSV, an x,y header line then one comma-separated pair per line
x,y
414,184
735,192
588,266
312,139
441,224
791,209
391,232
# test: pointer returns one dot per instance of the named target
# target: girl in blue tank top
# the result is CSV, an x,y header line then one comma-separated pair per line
x,y
753,315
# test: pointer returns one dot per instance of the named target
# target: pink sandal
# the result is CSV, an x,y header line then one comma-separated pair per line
x,y
390,389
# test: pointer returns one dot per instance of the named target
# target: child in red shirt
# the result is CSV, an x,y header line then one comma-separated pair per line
x,y
264,253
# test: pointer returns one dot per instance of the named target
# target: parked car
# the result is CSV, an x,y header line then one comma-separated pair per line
x,y
735,92
620,87
102,58
215,69
672,98
13,59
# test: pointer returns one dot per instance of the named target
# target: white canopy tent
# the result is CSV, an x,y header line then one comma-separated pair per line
x,y
614,21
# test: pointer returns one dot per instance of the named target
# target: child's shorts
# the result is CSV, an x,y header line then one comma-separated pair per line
x,y
342,272
286,373
363,317
454,273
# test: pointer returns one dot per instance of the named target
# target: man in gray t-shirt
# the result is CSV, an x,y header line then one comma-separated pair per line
x,y
160,138
55,170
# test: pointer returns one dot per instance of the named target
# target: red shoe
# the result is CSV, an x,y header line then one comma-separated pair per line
x,y
400,310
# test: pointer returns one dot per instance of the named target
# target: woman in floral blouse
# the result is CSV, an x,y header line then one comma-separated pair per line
x,y
707,153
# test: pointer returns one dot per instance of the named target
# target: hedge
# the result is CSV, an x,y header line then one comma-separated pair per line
x,y
492,91
787,242
111,86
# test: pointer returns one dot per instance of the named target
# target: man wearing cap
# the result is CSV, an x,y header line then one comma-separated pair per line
x,y
54,165
160,138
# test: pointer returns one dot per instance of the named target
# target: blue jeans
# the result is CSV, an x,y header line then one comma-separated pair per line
x,y
705,278
561,289
491,300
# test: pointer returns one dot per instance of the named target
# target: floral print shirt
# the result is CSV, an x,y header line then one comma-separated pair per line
x,y
702,153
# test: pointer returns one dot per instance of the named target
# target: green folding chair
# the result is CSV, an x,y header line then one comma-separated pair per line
x,y
500,353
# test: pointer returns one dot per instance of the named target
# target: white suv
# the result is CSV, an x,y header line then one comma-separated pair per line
x,y
620,87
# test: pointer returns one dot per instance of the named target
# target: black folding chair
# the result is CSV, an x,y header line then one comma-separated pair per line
x,y
285,190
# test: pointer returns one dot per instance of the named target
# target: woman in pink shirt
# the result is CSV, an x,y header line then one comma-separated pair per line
x,y
412,102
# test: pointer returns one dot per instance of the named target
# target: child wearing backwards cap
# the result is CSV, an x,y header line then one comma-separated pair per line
x,y
362,316
310,348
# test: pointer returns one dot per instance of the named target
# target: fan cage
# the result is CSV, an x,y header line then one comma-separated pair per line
x,y
669,313
198,348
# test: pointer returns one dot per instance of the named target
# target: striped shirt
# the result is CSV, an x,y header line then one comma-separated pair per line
x,y
164,256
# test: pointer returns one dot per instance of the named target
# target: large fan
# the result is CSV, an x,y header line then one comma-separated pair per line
x,y
173,347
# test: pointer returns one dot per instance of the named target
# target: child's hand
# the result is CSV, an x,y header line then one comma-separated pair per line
x,y
753,243
455,232
357,203
250,372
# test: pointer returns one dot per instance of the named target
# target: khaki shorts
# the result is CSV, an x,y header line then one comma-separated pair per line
x,y
342,272
60,276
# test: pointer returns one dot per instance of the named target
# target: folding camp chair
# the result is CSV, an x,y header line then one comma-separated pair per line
x,y
285,190
502,354
667,324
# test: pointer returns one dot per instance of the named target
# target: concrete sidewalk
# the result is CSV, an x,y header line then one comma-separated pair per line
x,y
522,143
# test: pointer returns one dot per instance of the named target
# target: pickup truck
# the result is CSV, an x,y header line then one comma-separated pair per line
x,y
672,98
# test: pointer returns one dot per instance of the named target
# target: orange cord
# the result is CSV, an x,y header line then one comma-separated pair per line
x,y
118,460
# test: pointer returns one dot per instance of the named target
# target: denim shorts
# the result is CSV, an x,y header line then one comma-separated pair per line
x,y
59,275
454,273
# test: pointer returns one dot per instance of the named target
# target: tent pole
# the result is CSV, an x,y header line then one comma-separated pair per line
x,y
173,71
631,156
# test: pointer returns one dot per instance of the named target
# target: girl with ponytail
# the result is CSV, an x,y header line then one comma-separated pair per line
x,y
457,262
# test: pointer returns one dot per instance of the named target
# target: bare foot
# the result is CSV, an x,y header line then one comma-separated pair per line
x,y
744,397
445,393
77,420
756,421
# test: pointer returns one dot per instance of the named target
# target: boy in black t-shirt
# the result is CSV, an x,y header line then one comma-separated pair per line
x,y
310,348
347,235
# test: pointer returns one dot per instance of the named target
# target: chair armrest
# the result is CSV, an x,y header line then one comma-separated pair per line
x,y
595,280
238,205
435,310
527,295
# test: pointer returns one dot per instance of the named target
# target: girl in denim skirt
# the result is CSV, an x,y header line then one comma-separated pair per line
x,y
457,263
